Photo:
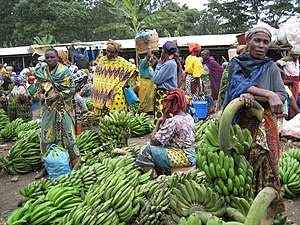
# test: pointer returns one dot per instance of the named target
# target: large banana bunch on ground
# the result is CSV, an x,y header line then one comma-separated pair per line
x,y
24,127
87,141
4,120
9,132
50,207
289,172
114,128
37,188
230,176
24,156
11,108
190,197
89,120
140,124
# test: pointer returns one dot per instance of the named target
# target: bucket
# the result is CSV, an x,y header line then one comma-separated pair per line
x,y
34,106
201,109
241,39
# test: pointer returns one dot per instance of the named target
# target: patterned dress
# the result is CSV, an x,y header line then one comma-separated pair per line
x,y
58,124
177,136
110,77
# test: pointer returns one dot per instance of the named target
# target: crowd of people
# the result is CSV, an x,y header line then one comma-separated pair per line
x,y
165,87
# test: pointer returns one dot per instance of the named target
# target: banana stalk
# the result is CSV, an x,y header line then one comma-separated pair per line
x,y
263,208
226,121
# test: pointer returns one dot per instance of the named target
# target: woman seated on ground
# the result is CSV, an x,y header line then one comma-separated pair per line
x,y
173,138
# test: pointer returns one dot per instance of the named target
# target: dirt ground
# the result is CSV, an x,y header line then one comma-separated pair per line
x,y
10,185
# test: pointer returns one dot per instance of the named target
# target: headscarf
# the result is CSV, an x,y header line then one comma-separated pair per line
x,y
18,79
252,31
113,46
295,51
244,72
174,102
193,47
170,47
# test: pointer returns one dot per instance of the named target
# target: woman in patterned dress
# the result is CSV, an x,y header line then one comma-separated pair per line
x,y
173,138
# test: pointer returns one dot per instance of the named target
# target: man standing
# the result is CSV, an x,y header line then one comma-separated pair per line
x,y
215,72
290,71
194,70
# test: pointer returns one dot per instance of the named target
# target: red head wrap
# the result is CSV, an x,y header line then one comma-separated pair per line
x,y
174,102
193,47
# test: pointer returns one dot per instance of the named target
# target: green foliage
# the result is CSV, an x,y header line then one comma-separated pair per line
x,y
46,40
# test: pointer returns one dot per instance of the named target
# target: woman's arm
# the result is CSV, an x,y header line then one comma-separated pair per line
x,y
275,100
162,73
153,140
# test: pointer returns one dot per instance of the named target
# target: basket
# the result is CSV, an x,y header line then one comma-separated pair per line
x,y
241,39
142,44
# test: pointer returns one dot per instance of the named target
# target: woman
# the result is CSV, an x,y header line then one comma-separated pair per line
x,y
173,138
112,74
56,91
253,76
194,71
166,76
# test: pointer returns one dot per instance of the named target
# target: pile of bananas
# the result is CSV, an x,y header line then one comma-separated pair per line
x,y
114,128
230,176
3,119
89,120
37,188
24,156
9,132
22,130
289,172
140,125
87,141
241,139
50,207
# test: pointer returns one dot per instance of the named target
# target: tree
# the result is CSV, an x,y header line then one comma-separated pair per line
x,y
46,40
66,20
133,17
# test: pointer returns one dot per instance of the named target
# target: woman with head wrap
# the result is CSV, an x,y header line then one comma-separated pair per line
x,y
194,70
56,90
253,76
111,75
19,87
166,76
173,138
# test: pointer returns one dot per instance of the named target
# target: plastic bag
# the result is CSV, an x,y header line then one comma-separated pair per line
x,y
130,95
56,160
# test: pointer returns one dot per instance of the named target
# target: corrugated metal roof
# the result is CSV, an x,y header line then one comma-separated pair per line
x,y
203,40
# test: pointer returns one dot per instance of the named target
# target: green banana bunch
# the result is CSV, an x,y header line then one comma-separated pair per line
x,y
140,125
294,153
24,156
114,128
210,134
89,120
21,130
242,139
9,132
87,141
37,188
89,104
191,220
4,120
289,173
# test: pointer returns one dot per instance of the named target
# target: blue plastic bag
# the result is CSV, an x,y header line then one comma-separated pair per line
x,y
56,161
130,95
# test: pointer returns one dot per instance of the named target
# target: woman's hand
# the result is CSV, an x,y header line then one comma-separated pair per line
x,y
249,99
52,97
275,103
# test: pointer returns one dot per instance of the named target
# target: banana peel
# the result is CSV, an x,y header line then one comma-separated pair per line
x,y
226,121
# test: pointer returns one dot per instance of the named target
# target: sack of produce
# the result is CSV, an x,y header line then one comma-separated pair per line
x,y
56,160
141,41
